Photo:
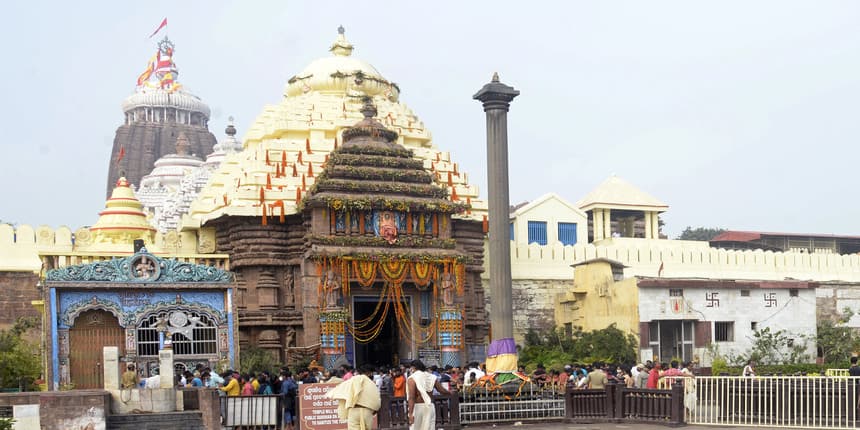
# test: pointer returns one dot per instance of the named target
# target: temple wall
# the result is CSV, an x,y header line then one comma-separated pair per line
x,y
682,259
533,303
38,249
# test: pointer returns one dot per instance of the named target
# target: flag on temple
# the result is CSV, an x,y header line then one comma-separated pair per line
x,y
121,154
160,26
150,67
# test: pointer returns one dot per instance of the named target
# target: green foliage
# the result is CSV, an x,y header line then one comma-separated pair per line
x,y
254,359
20,359
779,369
6,423
700,233
777,347
835,340
554,350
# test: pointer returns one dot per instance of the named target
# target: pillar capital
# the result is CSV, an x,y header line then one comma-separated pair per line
x,y
496,95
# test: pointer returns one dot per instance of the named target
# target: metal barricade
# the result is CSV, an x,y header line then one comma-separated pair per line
x,y
774,401
252,412
528,402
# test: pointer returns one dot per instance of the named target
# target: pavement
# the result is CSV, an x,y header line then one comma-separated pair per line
x,y
557,425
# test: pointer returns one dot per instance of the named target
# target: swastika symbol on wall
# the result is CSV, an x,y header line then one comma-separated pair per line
x,y
712,300
769,300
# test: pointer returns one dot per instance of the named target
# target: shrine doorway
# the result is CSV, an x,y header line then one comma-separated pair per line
x,y
93,330
378,338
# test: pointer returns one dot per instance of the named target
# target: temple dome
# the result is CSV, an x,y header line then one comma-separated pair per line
x,y
342,72
170,169
123,219
159,98
288,145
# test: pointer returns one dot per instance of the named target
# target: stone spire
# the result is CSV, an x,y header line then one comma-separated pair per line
x,y
182,144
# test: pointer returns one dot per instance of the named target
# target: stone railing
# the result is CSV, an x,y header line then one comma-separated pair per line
x,y
31,249
682,259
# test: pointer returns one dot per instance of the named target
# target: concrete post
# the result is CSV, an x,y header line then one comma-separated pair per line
x,y
165,368
496,98
607,223
110,358
597,224
648,225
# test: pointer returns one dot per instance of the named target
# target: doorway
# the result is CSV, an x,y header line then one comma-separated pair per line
x,y
93,330
385,347
675,339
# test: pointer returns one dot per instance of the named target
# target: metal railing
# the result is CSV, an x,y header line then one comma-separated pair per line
x,y
522,403
618,403
392,414
773,401
263,411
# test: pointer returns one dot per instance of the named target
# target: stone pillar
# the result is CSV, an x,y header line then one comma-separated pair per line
x,y
655,225
165,368
496,98
597,223
110,358
607,223
648,225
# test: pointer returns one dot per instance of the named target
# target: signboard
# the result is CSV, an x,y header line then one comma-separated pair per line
x,y
317,412
430,357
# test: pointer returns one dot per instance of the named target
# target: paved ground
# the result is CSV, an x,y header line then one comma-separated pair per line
x,y
595,426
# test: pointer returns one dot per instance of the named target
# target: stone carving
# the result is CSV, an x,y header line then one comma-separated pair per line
x,y
290,337
332,289
140,267
289,284
448,283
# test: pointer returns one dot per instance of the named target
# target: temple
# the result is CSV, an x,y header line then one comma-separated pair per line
x,y
155,115
349,231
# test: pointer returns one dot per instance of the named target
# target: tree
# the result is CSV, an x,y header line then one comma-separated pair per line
x,y
777,347
700,233
20,362
835,340
254,359
554,350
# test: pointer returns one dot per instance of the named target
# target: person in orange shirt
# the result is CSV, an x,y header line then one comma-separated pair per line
x,y
398,382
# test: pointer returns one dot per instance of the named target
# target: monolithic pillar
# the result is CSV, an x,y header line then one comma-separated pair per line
x,y
496,98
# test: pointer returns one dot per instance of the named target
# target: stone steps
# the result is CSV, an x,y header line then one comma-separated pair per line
x,y
187,420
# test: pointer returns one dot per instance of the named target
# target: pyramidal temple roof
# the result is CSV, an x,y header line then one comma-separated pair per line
x,y
616,193
287,146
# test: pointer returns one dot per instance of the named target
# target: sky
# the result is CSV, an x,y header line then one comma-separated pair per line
x,y
737,114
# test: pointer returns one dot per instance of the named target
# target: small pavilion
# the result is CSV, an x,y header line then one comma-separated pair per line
x,y
618,209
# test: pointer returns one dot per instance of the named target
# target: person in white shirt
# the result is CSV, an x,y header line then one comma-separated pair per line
x,y
473,374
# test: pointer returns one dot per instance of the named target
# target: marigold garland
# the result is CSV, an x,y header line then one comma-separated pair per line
x,y
364,272
394,271
422,273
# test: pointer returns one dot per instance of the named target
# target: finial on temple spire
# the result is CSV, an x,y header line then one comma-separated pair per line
x,y
341,30
495,77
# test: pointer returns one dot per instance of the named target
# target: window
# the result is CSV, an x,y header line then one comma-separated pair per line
x,y
567,233
724,331
203,338
745,293
793,292
676,292
537,232
568,330
512,231
753,326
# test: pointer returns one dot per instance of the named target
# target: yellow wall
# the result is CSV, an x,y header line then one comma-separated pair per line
x,y
595,301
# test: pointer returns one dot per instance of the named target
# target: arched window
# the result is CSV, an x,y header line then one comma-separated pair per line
x,y
200,338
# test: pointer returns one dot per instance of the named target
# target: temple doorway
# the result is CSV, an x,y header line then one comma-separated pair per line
x,y
93,330
378,340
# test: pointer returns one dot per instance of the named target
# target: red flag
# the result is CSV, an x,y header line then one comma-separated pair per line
x,y
160,26
121,154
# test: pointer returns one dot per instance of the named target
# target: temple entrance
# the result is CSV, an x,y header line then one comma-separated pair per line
x,y
371,317
93,330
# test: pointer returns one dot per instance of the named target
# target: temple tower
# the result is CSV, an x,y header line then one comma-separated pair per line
x,y
155,115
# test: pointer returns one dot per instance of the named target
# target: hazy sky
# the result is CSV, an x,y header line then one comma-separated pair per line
x,y
738,114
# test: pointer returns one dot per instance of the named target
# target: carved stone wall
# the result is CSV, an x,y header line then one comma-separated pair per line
x,y
469,235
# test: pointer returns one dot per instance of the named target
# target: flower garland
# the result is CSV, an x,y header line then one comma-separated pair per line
x,y
364,272
394,271
422,273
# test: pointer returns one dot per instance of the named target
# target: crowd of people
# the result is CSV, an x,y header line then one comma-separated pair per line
x,y
598,375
